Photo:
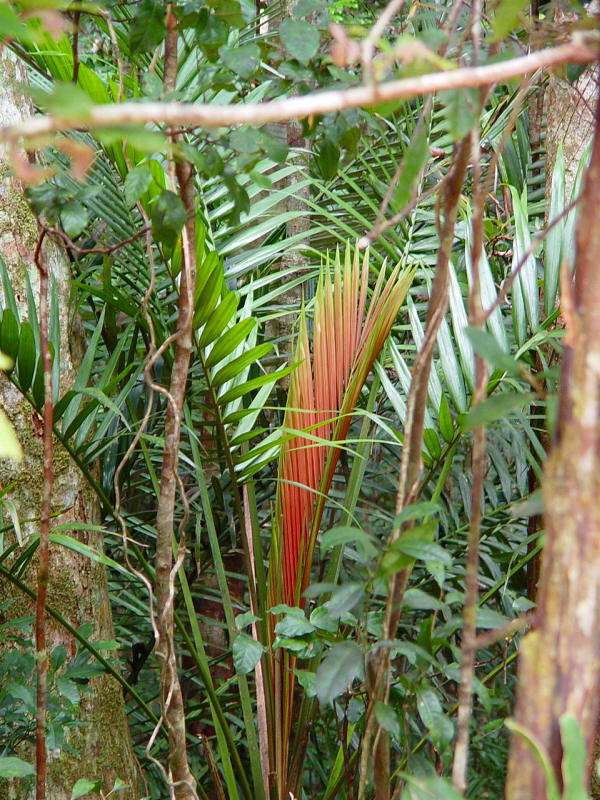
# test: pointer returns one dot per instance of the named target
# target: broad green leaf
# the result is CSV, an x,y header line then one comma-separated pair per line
x,y
308,682
343,599
243,59
344,534
496,407
83,787
168,218
293,625
137,182
421,601
430,710
413,161
300,39
13,767
486,345
327,159
323,620
341,666
506,17
574,759
247,653
148,27
245,619
416,543
461,110
433,788
74,218
387,718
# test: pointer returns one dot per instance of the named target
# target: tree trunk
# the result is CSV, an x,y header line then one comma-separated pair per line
x,y
559,667
77,586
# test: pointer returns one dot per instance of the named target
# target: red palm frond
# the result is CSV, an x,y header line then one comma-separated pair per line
x,y
347,338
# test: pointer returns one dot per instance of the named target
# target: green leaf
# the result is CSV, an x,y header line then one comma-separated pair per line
x,y
247,653
300,39
506,17
496,407
343,599
245,619
254,383
235,367
308,681
85,786
486,345
489,619
445,420
414,159
293,625
27,356
168,217
211,34
541,755
74,218
9,335
341,666
328,159
305,8
322,619
574,759
345,534
416,543
421,601
387,718
243,60
229,341
68,689
416,511
428,789
13,767
219,319
137,182
148,27
461,111
430,710
65,99
119,785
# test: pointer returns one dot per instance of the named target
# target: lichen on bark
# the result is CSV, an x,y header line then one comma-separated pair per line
x,y
78,587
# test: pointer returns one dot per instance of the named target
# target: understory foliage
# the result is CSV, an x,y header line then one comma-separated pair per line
x,y
306,315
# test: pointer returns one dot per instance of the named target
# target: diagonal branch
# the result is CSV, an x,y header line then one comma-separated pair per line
x,y
579,50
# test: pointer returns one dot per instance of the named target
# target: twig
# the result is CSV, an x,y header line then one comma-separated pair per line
x,y
99,249
505,631
183,782
578,51
43,552
469,632
375,34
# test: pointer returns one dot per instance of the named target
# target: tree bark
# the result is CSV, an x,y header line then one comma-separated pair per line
x,y
559,668
77,586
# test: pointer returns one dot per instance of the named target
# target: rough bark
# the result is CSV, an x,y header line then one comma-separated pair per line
x,y
559,669
77,587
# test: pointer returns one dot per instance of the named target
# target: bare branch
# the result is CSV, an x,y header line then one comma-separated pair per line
x,y
578,51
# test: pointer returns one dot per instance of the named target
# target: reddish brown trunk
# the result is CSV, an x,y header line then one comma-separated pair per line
x,y
560,659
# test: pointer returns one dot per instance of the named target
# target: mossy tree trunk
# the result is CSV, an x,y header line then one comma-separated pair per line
x,y
559,667
77,586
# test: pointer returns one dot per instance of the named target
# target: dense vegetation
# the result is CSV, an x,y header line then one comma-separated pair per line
x,y
282,371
